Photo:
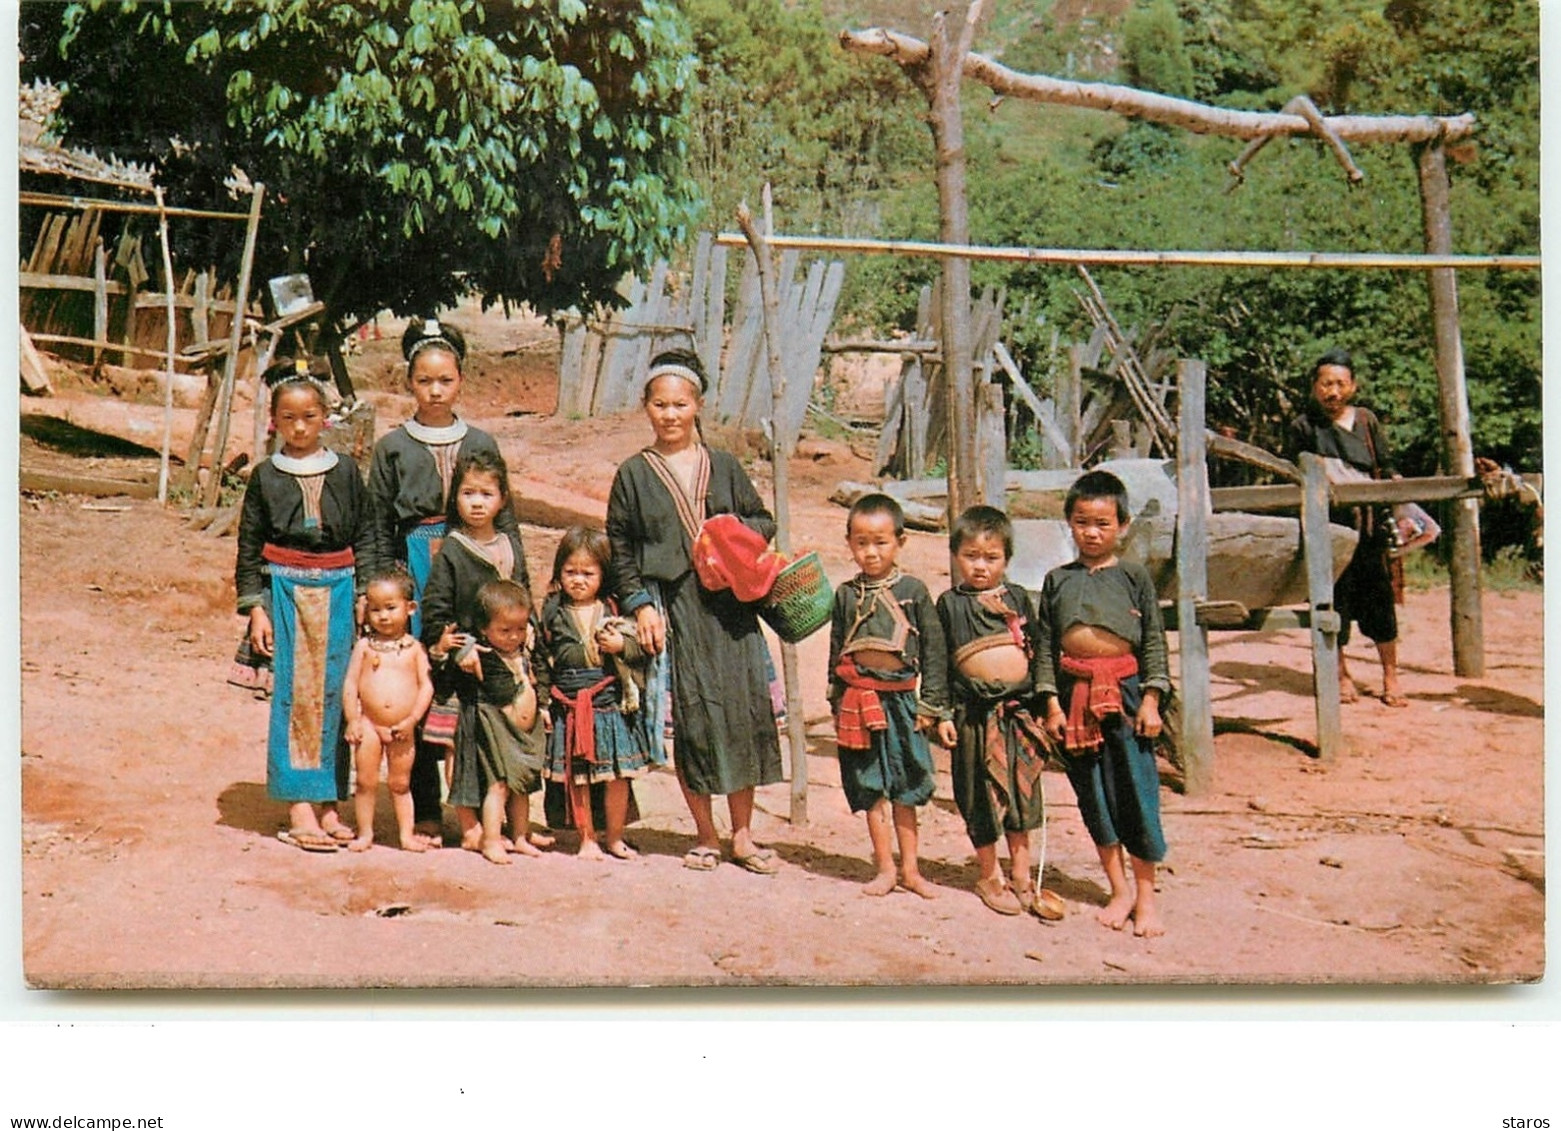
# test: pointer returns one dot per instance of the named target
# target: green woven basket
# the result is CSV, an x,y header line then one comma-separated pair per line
x,y
800,602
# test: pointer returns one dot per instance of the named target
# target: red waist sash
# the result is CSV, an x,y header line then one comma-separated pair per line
x,y
305,559
581,729
861,711
1096,694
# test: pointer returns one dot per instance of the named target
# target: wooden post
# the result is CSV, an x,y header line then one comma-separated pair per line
x,y
99,303
991,428
1317,541
173,344
1453,407
780,446
1196,740
235,338
941,86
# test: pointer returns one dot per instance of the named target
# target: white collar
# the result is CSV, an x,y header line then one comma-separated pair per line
x,y
423,434
316,464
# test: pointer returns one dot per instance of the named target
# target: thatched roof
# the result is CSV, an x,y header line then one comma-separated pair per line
x,y
39,152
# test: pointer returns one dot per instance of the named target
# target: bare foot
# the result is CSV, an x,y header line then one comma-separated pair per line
x,y
425,840
1116,913
493,851
472,841
1347,691
414,843
917,883
589,850
1147,923
361,844
881,884
522,847
542,840
431,830
621,850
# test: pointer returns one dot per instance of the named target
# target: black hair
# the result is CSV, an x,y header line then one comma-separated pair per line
x,y
396,574
592,541
430,333
1097,485
684,359
1335,355
980,520
485,461
286,375
501,595
877,503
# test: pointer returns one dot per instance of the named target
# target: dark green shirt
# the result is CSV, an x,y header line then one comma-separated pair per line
x,y
1119,598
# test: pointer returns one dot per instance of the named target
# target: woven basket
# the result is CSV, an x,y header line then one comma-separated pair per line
x,y
800,602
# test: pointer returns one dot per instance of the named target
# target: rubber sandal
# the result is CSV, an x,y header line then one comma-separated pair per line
x,y
762,862
308,840
701,859
1393,700
997,896
341,834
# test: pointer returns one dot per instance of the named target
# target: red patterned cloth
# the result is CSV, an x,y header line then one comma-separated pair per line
x,y
1096,694
860,711
729,555
582,721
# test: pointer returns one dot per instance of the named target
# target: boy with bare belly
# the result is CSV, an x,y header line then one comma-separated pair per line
x,y
388,691
989,624
1103,671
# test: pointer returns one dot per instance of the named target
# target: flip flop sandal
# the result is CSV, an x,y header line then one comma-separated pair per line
x,y
341,834
762,862
307,840
701,859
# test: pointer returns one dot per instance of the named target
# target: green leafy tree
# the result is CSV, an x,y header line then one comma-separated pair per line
x,y
413,150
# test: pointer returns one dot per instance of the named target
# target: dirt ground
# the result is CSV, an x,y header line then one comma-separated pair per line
x,y
150,856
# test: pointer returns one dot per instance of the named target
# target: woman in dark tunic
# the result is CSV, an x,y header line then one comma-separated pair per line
x,y
1333,427
724,733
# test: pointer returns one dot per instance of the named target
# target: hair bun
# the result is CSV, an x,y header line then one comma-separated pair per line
x,y
428,333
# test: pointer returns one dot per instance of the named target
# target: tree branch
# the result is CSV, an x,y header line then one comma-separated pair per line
x,y
913,55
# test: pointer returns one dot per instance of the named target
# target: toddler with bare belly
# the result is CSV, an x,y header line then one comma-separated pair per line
x,y
388,690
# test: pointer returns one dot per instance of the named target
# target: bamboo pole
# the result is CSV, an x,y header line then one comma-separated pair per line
x,y
84,203
1125,257
173,343
779,447
235,336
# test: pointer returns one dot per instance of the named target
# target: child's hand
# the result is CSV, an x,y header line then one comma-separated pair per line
x,y
609,640
1056,722
449,640
1148,723
260,638
355,732
404,728
948,734
471,663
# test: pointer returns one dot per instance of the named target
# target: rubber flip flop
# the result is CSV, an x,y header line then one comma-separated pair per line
x,y
308,841
763,862
701,859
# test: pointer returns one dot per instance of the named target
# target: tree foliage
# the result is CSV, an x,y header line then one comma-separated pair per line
x,y
413,149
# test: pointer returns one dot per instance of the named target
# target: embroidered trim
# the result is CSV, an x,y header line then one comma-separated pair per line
x,y
423,434
682,371
317,463
482,551
690,510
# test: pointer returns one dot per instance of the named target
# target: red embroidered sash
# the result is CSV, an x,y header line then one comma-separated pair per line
x,y
1096,694
861,711
581,728
305,559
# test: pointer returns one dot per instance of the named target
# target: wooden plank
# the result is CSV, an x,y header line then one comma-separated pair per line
x,y
918,421
1046,420
889,448
709,347
1196,740
100,343
992,444
571,353
1232,448
698,311
99,485
32,280
653,312
758,384
99,303
1325,619
34,374
747,325
200,311
1282,496
614,351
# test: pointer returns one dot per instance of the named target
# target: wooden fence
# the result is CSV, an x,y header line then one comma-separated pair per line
x,y
603,360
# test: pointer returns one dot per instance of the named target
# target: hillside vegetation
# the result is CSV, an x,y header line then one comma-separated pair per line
x,y
842,140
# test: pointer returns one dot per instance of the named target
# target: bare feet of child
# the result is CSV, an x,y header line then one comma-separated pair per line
x,y
361,844
621,850
523,846
426,840
493,851
916,883
411,843
541,839
472,841
1116,913
589,850
1147,923
881,884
